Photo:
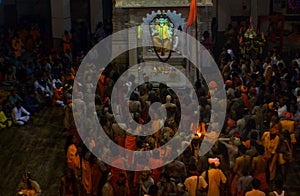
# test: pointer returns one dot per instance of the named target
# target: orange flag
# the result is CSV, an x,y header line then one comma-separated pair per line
x,y
192,15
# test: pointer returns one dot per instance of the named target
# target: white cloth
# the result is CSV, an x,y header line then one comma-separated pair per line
x,y
17,115
54,81
281,111
282,193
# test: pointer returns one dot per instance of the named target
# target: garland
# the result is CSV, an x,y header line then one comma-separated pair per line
x,y
294,4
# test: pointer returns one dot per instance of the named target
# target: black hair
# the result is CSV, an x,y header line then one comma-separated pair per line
x,y
69,141
279,183
260,149
192,167
242,148
153,189
166,176
255,183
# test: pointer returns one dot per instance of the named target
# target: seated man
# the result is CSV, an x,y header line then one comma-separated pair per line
x,y
32,103
58,97
14,97
28,186
17,114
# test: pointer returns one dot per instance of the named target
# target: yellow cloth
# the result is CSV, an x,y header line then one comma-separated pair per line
x,y
191,184
215,177
270,145
163,32
3,119
140,31
290,126
270,150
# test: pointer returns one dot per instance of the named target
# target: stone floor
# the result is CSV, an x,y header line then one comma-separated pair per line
x,y
39,148
293,178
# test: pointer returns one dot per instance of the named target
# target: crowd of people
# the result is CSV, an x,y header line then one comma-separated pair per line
x,y
33,77
251,157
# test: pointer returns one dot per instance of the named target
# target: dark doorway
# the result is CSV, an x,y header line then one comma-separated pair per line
x,y
80,17
10,15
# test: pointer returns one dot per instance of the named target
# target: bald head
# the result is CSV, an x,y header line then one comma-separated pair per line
x,y
168,98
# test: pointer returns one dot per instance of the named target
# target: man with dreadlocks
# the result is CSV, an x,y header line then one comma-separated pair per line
x,y
28,186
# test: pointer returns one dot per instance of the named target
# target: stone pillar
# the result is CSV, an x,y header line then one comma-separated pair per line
x,y
254,13
1,13
223,14
132,41
96,13
60,19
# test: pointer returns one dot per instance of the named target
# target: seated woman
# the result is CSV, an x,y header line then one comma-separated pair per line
x,y
7,108
4,122
28,186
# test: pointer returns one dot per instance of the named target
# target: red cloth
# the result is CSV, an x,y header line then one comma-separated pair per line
x,y
115,171
58,95
87,176
192,15
156,172
130,144
245,100
96,177
120,140
263,181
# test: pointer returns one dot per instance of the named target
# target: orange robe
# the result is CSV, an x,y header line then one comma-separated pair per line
x,y
245,100
130,144
67,42
290,126
115,171
58,95
96,177
120,140
73,158
29,192
17,46
270,151
35,35
87,176
102,83
215,178
259,166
